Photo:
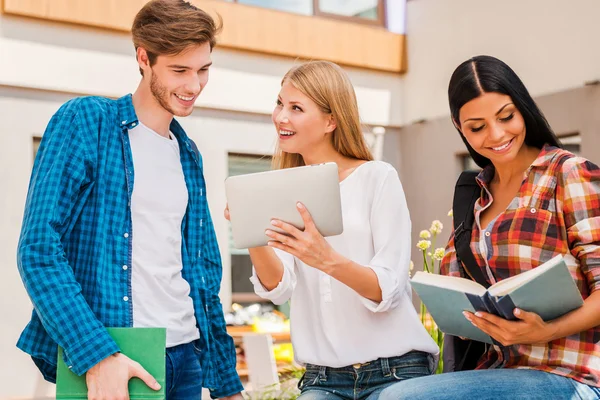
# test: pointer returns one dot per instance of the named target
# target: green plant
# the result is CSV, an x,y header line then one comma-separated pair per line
x,y
431,264
285,390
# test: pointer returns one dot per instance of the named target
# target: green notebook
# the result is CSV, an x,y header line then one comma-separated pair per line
x,y
144,345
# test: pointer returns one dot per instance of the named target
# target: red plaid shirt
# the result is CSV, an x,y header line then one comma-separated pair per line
x,y
556,211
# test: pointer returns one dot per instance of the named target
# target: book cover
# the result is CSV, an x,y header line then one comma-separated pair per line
x,y
548,290
144,345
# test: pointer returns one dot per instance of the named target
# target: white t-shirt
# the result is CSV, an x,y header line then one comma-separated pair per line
x,y
331,324
160,295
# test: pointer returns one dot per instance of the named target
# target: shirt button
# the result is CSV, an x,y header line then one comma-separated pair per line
x,y
134,124
487,234
124,267
533,210
125,298
126,235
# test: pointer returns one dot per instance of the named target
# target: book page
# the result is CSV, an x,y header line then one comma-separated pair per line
x,y
449,282
507,285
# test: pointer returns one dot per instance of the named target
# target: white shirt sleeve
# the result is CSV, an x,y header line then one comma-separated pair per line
x,y
391,227
285,288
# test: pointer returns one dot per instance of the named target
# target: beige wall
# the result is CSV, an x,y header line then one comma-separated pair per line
x,y
551,44
430,166
44,64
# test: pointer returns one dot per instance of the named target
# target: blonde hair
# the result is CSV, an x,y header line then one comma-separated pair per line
x,y
329,87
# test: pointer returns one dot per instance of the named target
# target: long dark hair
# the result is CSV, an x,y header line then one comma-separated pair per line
x,y
485,74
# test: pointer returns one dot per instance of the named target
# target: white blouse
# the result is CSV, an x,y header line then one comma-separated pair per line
x,y
331,324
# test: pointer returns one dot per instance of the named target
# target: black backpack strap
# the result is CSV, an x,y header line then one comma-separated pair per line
x,y
466,193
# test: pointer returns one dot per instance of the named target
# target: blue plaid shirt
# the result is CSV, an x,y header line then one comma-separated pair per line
x,y
76,238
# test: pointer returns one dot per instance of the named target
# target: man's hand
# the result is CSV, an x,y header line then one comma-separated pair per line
x,y
234,397
108,379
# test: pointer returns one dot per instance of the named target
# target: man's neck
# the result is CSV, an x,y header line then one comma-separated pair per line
x,y
149,112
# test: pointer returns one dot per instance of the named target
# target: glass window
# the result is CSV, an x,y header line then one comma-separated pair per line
x,y
368,9
304,7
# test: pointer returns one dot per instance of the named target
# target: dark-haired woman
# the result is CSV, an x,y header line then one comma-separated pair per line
x,y
537,201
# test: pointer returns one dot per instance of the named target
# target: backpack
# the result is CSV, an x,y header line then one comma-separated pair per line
x,y
459,354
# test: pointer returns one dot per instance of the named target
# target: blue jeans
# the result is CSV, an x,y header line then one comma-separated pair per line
x,y
184,374
364,381
497,384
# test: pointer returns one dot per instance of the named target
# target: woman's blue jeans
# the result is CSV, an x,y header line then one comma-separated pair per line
x,y
496,384
363,381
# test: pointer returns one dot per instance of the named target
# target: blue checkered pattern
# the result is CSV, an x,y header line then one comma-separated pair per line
x,y
76,237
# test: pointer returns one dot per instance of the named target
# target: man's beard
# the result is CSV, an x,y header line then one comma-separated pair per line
x,y
161,94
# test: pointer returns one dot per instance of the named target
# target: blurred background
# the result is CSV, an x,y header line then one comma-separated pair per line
x,y
399,55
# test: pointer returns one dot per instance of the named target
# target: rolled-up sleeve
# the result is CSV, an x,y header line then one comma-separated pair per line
x,y
391,228
580,197
283,292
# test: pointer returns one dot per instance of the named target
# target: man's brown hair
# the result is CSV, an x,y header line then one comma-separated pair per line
x,y
168,27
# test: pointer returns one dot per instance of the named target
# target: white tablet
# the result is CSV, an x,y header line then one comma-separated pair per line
x,y
255,199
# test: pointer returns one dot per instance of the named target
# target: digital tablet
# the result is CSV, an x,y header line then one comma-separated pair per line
x,y
255,199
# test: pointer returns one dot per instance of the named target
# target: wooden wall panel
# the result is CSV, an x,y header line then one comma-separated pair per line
x,y
245,28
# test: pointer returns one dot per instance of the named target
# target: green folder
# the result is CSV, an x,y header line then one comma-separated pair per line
x,y
144,345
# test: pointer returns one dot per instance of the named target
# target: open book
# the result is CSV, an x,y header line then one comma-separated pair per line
x,y
548,290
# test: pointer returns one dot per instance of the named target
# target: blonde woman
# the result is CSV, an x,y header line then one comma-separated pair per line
x,y
353,322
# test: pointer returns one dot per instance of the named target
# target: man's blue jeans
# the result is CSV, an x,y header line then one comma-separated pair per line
x,y
497,384
363,382
184,374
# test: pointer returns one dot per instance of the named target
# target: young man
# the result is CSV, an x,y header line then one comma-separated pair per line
x,y
117,230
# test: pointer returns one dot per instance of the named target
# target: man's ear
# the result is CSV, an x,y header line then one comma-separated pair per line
x,y
331,124
142,58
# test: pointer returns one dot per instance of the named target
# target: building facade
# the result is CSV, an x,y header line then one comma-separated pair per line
x,y
52,51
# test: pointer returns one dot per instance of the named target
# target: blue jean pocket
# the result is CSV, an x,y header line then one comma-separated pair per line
x,y
413,365
310,378
196,347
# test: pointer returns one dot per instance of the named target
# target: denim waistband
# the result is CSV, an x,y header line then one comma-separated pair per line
x,y
412,358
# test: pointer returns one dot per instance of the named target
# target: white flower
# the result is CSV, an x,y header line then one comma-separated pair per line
x,y
423,245
450,213
438,254
411,266
436,227
424,234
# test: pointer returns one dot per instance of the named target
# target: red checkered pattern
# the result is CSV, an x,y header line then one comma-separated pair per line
x,y
556,211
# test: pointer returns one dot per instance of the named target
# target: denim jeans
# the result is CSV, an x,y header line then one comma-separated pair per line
x,y
497,384
184,374
363,381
